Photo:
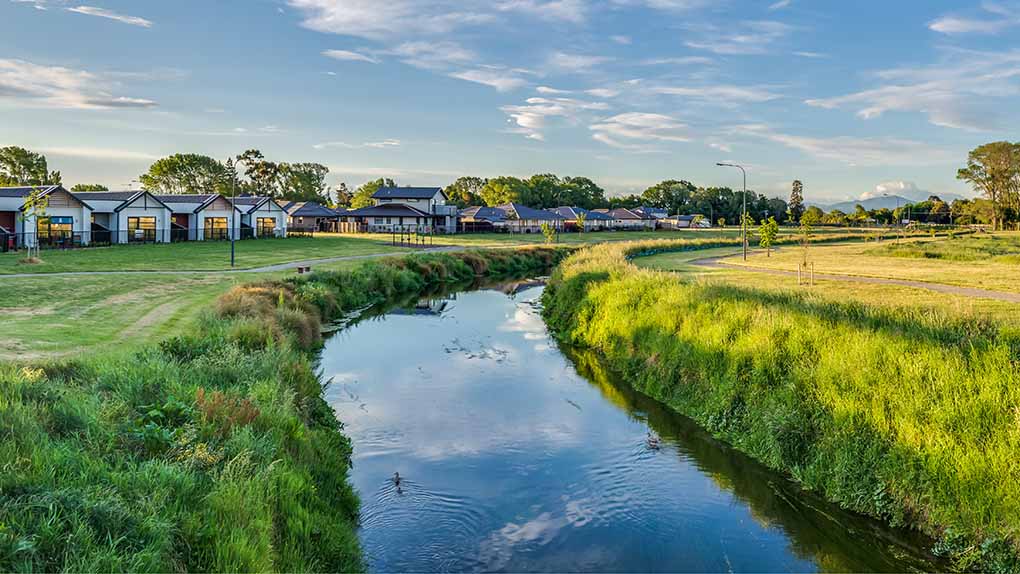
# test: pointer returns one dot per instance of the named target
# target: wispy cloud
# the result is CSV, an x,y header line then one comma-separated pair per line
x,y
347,55
109,14
720,94
502,80
677,61
753,37
576,63
433,55
97,153
621,39
36,85
639,131
1002,17
566,10
384,20
532,118
855,151
780,5
383,144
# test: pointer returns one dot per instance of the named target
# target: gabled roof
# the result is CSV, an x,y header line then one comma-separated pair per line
x,y
572,213
202,199
125,198
407,192
388,210
525,212
251,203
25,191
624,213
308,209
492,214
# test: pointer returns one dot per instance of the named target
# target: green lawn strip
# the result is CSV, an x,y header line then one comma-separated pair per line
x,y
903,414
212,451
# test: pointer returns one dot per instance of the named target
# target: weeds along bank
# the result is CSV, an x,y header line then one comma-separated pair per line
x,y
213,451
906,415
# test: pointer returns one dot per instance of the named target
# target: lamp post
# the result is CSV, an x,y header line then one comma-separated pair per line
x,y
743,217
232,173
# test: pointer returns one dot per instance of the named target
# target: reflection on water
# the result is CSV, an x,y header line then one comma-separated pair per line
x,y
516,455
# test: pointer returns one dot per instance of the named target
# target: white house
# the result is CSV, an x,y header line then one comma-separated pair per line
x,y
629,219
523,219
593,220
127,216
309,217
204,216
261,217
408,209
67,220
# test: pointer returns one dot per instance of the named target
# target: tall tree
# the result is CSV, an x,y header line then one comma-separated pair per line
x,y
504,189
672,195
19,166
993,170
303,182
796,204
544,191
581,192
263,176
466,191
343,195
185,173
89,187
363,196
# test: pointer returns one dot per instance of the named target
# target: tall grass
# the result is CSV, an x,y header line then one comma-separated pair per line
x,y
999,249
907,415
213,451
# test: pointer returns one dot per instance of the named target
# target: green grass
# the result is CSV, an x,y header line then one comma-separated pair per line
x,y
998,248
212,451
905,414
200,255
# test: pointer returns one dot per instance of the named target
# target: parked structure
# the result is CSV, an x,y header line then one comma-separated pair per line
x,y
67,221
261,217
593,220
127,217
202,217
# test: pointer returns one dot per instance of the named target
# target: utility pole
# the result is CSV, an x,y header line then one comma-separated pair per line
x,y
743,217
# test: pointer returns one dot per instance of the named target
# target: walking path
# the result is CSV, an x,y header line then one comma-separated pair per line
x,y
264,269
718,263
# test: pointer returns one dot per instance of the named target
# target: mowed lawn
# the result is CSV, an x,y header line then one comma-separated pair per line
x,y
200,255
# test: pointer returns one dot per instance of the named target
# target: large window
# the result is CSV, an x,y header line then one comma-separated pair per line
x,y
141,229
216,228
265,226
53,230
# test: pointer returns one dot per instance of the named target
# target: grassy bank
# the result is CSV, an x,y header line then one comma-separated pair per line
x,y
907,416
212,451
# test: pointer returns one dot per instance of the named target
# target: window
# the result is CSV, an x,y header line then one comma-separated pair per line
x,y
379,220
55,229
216,228
389,221
141,229
265,226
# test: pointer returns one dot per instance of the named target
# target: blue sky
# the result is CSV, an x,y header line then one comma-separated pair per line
x,y
851,97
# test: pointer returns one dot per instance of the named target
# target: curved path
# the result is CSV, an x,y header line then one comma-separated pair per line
x,y
718,263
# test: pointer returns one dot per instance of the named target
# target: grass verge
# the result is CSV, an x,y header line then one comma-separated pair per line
x,y
212,451
907,416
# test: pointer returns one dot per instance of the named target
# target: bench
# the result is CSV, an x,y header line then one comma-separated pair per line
x,y
302,269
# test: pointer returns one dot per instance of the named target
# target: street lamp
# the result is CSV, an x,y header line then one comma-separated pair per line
x,y
232,173
743,218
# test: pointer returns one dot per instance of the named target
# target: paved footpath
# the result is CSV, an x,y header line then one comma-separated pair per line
x,y
718,263
265,269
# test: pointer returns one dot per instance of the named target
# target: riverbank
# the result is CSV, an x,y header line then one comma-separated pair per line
x,y
212,451
909,417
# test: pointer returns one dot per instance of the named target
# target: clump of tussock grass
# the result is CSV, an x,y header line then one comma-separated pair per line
x,y
906,414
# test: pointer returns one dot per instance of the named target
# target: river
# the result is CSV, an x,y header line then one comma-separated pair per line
x,y
518,455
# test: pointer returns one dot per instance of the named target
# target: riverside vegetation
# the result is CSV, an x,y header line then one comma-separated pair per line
x,y
907,415
213,451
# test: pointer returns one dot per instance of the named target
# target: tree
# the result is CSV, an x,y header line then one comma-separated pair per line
x,y
624,201
343,195
184,174
303,182
696,220
363,195
672,195
466,191
19,166
549,232
993,170
834,217
796,205
543,191
89,187
505,189
581,218
581,192
768,232
812,216
33,209
263,176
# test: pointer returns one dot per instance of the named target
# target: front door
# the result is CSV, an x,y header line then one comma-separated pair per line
x,y
141,229
216,228
7,220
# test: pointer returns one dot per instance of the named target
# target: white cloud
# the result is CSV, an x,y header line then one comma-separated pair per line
x,y
780,5
966,92
58,87
104,13
548,90
530,119
907,189
348,55
433,55
602,92
379,20
574,11
681,61
855,151
498,79
383,144
1005,17
720,94
804,54
621,39
575,62
753,37
638,131
99,153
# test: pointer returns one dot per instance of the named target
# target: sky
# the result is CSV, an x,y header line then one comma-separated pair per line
x,y
853,98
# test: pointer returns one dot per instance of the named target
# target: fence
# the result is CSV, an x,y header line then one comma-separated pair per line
x,y
61,240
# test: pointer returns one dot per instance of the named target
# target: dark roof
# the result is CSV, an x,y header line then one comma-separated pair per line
x,y
483,213
250,203
308,209
24,191
388,210
185,198
572,213
623,213
652,211
407,192
106,195
525,212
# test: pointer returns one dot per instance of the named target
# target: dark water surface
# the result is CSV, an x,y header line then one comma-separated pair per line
x,y
517,455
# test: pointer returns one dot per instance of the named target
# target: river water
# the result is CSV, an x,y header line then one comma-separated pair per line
x,y
518,455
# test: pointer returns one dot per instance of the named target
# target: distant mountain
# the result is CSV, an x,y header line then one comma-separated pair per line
x,y
886,201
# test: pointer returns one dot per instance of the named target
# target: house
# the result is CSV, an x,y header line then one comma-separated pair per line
x,y
629,219
261,217
201,217
523,219
685,222
67,220
407,209
127,217
655,212
309,217
477,219
593,220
